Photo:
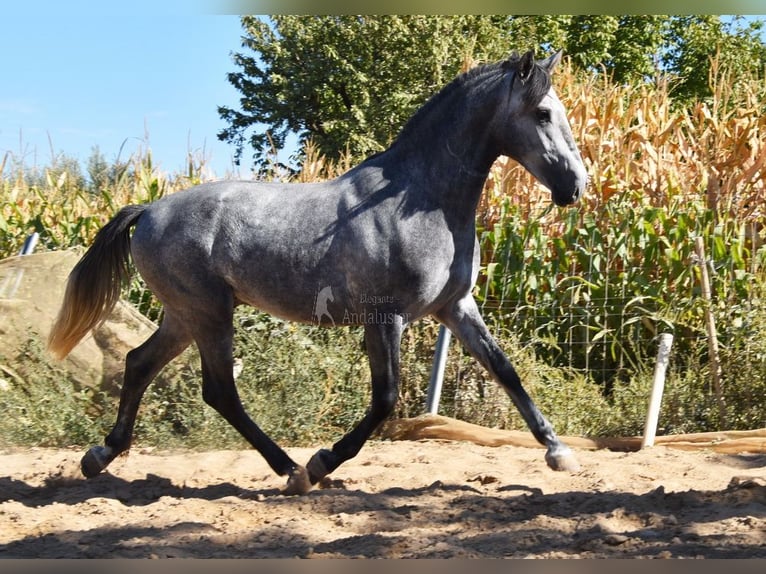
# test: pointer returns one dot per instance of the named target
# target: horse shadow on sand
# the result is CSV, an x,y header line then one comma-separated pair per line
x,y
500,520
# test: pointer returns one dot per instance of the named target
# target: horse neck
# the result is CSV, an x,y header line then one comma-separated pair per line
x,y
452,151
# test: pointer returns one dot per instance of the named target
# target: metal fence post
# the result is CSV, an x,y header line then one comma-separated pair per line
x,y
437,371
11,284
30,243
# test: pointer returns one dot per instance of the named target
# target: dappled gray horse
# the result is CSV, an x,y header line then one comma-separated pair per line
x,y
394,239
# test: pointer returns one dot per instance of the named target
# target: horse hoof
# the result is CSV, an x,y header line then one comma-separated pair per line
x,y
298,482
95,460
562,460
317,467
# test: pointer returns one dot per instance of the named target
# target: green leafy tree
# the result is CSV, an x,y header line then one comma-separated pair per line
x,y
98,170
64,172
590,38
624,46
549,32
103,175
694,41
348,83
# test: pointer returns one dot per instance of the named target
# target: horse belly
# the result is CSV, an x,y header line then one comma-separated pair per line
x,y
285,304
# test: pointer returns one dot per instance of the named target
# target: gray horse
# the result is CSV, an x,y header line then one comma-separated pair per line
x,y
393,238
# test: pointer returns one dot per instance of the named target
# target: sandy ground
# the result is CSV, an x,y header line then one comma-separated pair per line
x,y
397,499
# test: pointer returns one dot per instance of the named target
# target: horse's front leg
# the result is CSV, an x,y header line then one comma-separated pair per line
x,y
464,320
382,342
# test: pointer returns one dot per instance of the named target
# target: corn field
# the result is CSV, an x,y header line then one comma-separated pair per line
x,y
591,287
581,294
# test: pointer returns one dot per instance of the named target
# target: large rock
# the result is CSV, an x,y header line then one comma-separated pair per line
x,y
31,291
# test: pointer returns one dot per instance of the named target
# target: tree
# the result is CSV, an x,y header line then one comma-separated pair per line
x,y
64,173
103,175
350,82
98,170
347,82
624,46
694,41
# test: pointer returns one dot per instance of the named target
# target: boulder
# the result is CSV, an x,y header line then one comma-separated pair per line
x,y
31,291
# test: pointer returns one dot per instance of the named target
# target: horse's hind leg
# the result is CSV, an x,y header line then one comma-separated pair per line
x,y
141,366
382,342
214,340
464,320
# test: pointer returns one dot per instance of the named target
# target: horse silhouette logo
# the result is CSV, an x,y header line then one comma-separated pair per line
x,y
320,305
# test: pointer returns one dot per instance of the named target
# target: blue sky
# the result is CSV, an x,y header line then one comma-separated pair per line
x,y
80,74
122,76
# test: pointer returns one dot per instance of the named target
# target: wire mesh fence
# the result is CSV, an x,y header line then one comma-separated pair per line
x,y
585,294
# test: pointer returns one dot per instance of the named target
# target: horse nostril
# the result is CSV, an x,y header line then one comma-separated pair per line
x,y
581,187
564,199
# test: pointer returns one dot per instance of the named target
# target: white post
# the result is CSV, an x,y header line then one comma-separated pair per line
x,y
658,386
437,371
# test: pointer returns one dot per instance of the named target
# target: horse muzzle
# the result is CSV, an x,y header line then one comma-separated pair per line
x,y
564,197
571,191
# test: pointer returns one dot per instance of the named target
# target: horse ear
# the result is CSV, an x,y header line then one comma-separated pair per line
x,y
526,64
551,62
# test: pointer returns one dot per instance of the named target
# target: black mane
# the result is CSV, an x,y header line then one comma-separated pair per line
x,y
536,85
482,78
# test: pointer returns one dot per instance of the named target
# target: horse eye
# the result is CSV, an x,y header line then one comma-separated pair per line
x,y
543,115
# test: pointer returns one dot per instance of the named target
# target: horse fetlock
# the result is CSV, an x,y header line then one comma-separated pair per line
x,y
321,464
95,460
562,459
298,482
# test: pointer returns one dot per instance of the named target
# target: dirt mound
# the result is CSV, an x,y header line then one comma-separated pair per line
x,y
31,291
430,426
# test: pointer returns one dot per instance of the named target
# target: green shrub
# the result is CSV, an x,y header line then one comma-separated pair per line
x,y
40,405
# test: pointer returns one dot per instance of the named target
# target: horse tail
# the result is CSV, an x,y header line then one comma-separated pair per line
x,y
94,284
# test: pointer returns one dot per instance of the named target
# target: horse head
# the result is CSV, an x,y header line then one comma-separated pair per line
x,y
535,130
